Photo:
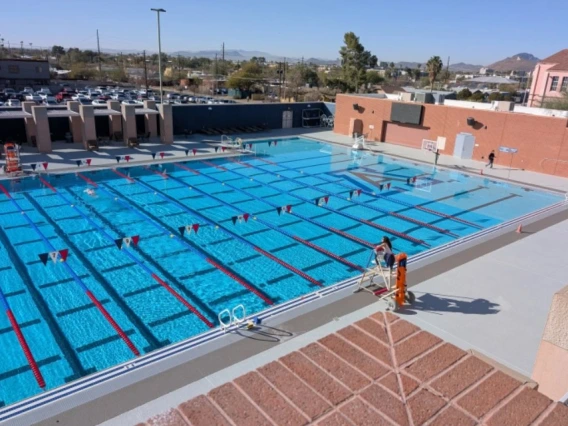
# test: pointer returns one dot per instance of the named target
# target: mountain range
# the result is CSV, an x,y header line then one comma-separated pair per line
x,y
518,62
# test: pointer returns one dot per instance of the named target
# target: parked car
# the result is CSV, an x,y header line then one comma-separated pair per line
x,y
191,99
34,98
129,102
9,92
1,103
84,101
45,90
61,96
28,89
43,95
13,103
99,102
50,101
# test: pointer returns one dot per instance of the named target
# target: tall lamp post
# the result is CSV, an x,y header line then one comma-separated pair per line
x,y
159,53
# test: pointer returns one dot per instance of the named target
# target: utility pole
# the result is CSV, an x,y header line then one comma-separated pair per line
x,y
448,70
145,72
179,68
158,11
21,48
216,73
99,50
284,78
223,52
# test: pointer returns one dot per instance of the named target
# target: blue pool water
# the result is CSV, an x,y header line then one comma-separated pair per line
x,y
170,287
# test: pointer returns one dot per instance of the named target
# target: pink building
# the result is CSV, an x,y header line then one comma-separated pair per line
x,y
550,78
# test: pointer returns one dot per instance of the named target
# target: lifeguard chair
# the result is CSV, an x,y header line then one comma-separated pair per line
x,y
378,280
13,165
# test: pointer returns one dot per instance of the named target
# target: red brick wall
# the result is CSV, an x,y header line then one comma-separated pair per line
x,y
542,141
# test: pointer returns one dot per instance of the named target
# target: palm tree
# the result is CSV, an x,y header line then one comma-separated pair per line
x,y
434,67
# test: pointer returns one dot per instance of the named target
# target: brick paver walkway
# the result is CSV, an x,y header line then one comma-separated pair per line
x,y
380,371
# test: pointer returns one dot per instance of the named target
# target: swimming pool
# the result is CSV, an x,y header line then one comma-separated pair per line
x,y
158,251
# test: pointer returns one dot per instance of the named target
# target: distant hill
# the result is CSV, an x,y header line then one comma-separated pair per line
x,y
518,62
463,67
233,55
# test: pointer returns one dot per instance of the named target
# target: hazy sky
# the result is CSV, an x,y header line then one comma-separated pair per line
x,y
473,31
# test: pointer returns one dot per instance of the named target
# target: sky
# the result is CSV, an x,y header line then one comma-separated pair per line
x,y
474,31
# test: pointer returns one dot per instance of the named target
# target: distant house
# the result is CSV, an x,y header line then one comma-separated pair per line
x,y
390,90
550,78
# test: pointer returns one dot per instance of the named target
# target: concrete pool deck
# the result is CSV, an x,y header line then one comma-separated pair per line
x,y
459,299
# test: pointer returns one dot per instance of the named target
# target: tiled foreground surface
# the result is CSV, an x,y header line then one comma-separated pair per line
x,y
380,371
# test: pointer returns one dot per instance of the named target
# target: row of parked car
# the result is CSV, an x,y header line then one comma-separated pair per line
x,y
99,95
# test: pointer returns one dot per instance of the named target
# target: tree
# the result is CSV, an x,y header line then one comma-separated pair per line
x,y
464,94
118,75
194,84
81,72
354,61
245,78
57,51
495,96
445,76
477,96
417,73
556,103
373,77
434,66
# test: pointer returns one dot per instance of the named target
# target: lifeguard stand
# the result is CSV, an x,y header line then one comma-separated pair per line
x,y
394,296
13,164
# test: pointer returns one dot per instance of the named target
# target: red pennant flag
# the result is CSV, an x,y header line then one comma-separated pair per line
x,y
88,161
250,145
359,192
326,199
414,179
194,151
64,253
195,227
289,208
246,216
388,185
223,148
135,239
127,158
44,166
275,143
162,155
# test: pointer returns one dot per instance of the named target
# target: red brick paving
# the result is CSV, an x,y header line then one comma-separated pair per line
x,y
381,371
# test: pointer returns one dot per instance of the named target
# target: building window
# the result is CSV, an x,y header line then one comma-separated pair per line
x,y
13,69
564,87
554,84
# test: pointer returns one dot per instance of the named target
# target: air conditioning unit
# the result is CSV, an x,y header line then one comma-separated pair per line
x,y
424,98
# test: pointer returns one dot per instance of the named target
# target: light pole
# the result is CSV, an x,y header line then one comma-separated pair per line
x,y
159,53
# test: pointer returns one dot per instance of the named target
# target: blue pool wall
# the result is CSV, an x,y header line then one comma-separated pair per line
x,y
196,117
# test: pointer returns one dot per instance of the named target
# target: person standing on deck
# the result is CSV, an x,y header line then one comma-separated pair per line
x,y
491,159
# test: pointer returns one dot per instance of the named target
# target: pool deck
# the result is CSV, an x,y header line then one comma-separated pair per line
x,y
476,300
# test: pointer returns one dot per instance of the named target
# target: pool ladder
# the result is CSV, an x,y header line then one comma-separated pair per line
x,y
233,318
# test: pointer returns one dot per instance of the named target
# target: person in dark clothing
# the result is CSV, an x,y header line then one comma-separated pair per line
x,y
385,248
491,159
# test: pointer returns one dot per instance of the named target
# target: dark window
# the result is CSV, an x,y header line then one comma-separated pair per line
x,y
13,69
554,84
564,87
